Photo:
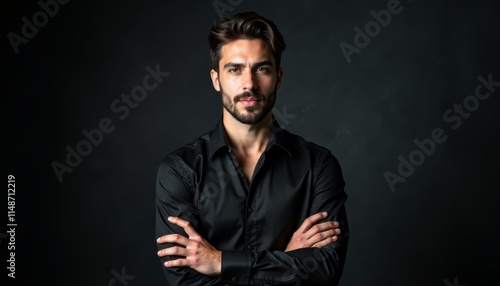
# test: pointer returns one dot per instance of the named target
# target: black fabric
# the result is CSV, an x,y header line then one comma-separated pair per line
x,y
252,223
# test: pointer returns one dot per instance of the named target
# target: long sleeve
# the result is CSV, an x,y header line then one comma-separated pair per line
x,y
306,266
206,192
174,196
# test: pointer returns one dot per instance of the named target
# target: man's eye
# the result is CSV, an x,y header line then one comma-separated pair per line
x,y
263,69
232,70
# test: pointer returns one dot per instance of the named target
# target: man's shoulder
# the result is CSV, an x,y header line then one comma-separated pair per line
x,y
191,149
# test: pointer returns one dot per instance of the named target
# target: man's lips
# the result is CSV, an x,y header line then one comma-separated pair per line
x,y
249,101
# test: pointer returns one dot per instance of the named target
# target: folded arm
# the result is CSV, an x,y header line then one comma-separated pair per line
x,y
315,254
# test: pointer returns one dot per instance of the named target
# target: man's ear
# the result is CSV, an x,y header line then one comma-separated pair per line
x,y
215,79
280,77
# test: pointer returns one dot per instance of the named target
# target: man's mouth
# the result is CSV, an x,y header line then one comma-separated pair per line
x,y
249,101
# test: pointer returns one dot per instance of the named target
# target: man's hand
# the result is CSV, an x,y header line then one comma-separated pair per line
x,y
197,252
311,234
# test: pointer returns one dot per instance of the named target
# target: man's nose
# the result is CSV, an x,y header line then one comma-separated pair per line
x,y
248,81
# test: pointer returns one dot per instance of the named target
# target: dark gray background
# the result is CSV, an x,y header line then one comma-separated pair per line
x,y
439,225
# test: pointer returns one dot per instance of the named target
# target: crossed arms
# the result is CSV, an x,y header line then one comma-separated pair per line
x,y
314,255
201,256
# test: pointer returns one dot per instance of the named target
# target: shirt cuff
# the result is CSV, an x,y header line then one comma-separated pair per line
x,y
236,267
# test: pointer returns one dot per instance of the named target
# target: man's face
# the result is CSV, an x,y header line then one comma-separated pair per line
x,y
247,79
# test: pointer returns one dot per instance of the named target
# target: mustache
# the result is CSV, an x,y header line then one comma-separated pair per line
x,y
248,94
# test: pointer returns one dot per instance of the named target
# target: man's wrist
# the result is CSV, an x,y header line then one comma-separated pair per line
x,y
218,263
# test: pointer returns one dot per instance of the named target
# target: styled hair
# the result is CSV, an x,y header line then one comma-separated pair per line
x,y
247,25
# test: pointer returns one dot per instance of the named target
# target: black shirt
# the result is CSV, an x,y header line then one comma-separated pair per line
x,y
252,223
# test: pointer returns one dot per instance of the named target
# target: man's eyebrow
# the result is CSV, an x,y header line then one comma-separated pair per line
x,y
233,65
263,63
239,65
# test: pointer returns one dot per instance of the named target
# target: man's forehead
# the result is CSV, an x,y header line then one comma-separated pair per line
x,y
246,49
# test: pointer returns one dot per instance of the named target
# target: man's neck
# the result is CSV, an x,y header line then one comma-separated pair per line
x,y
247,139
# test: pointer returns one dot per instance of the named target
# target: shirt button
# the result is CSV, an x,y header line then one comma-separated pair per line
x,y
235,279
250,210
250,247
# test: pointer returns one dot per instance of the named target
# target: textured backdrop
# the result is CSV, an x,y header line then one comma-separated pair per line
x,y
397,90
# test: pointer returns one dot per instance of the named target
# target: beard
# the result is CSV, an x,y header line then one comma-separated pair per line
x,y
253,114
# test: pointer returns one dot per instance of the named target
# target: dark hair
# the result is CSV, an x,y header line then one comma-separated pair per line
x,y
247,25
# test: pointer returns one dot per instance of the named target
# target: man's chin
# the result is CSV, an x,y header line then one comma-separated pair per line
x,y
248,118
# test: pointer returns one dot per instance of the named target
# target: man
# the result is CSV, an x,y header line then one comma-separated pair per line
x,y
248,202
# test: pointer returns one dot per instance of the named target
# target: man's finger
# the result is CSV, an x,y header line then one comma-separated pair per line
x,y
322,227
323,238
173,238
186,225
325,241
310,221
176,263
173,251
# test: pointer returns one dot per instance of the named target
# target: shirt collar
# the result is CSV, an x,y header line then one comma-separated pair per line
x,y
278,137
